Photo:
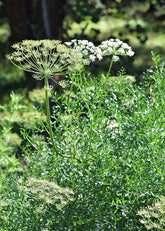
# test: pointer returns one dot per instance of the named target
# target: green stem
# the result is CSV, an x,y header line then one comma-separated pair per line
x,y
110,66
49,121
48,116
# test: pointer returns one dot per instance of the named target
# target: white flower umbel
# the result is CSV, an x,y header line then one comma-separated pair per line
x,y
115,48
116,58
90,53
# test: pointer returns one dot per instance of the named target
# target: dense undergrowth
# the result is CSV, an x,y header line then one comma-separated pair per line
x,y
112,132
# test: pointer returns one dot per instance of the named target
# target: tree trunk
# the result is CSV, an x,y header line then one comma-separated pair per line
x,y
35,19
16,13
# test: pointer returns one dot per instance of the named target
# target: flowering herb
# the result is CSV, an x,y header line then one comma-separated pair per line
x,y
153,217
115,47
47,191
45,58
90,53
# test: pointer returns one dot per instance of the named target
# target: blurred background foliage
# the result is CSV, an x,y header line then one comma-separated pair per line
x,y
139,23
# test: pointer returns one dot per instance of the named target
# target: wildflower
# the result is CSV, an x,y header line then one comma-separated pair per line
x,y
99,56
121,50
89,52
115,47
92,58
45,58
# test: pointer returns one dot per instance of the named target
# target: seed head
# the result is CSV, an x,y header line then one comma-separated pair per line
x,y
45,58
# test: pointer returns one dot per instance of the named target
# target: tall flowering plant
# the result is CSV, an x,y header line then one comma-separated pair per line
x,y
44,59
115,48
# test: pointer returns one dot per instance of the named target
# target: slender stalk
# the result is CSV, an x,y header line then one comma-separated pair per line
x,y
49,122
110,66
48,116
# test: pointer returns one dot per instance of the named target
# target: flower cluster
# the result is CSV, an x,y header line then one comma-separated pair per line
x,y
88,50
91,53
45,58
153,217
115,47
48,192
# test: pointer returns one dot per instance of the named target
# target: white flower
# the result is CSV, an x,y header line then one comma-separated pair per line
x,y
107,51
88,50
115,47
85,52
45,58
116,58
98,50
86,62
78,49
85,42
130,53
68,43
92,58
99,56
90,44
125,46
121,51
